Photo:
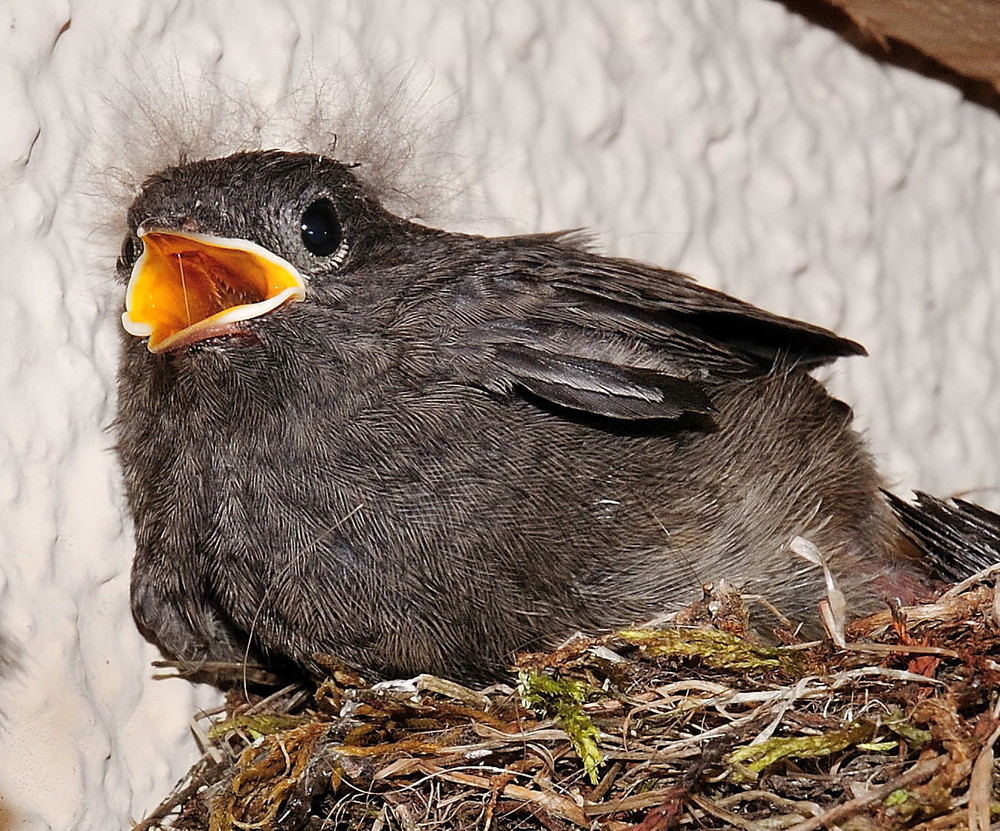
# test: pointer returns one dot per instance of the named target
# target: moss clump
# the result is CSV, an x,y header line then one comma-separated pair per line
x,y
719,650
563,700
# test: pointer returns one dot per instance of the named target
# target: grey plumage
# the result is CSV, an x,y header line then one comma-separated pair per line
x,y
455,447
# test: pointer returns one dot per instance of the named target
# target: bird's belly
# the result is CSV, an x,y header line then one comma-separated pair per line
x,y
511,527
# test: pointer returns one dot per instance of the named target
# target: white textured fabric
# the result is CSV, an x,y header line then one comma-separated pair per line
x,y
725,138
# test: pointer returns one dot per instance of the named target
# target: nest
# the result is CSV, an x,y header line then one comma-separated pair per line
x,y
693,725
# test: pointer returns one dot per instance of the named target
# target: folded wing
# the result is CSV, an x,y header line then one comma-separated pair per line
x,y
620,339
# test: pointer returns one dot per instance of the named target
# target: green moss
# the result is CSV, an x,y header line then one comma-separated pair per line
x,y
256,725
902,727
715,649
751,760
563,699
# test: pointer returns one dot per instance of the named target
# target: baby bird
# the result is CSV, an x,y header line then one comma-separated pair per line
x,y
343,433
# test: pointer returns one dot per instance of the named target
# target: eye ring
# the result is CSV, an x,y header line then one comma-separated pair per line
x,y
322,233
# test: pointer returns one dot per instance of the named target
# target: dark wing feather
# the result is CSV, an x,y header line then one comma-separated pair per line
x,y
710,316
602,388
621,339
957,538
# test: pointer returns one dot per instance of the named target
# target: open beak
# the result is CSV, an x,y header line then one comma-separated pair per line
x,y
188,287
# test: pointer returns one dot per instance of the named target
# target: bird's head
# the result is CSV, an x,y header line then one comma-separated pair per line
x,y
215,245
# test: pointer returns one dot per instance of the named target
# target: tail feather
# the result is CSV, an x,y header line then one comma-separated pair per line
x,y
956,537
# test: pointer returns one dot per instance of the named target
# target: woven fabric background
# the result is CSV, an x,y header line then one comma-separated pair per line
x,y
725,138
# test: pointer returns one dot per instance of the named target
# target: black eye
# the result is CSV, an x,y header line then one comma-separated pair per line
x,y
321,231
131,249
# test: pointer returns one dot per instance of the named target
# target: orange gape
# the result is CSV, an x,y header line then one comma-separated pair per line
x,y
186,287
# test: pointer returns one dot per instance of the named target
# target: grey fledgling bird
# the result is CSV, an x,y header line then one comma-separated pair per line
x,y
345,433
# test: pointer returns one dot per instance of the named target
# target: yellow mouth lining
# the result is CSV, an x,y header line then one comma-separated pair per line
x,y
188,287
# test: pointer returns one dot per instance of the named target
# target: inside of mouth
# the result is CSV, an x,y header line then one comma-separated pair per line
x,y
201,283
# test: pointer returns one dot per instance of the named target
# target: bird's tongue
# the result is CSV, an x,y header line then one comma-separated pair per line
x,y
188,287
